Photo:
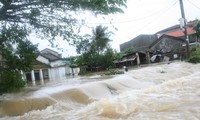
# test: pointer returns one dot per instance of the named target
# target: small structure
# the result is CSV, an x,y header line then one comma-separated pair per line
x,y
135,58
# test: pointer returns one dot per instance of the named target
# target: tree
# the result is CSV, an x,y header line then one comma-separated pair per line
x,y
100,38
197,29
98,52
17,54
48,19
51,18
82,45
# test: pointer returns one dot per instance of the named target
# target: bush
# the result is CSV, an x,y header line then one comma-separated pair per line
x,y
195,57
11,81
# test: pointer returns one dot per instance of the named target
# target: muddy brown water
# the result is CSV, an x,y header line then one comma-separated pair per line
x,y
166,91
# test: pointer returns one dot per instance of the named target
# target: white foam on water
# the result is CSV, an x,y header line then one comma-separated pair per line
x,y
168,91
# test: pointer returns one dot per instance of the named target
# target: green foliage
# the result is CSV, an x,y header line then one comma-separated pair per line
x,y
108,57
11,81
17,55
195,57
196,27
48,19
98,52
51,18
100,39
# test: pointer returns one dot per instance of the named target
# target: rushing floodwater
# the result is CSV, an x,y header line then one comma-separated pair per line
x,y
160,92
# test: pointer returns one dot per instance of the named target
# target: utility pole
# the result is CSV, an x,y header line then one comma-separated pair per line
x,y
185,28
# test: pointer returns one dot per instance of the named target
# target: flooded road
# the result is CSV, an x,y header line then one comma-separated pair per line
x,y
165,92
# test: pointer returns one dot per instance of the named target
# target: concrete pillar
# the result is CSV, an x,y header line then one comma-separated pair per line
x,y
138,59
41,77
33,77
148,57
49,73
23,76
22,73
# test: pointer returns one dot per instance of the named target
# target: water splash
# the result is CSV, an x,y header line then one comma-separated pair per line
x,y
168,91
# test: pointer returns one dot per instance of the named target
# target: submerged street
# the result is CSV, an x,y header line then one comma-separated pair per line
x,y
165,91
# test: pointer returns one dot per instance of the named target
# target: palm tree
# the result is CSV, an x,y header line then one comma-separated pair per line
x,y
100,38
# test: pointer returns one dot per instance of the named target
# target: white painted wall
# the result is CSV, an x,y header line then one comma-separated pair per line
x,y
67,69
57,63
58,73
75,70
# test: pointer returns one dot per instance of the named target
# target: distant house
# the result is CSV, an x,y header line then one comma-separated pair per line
x,y
49,65
168,43
167,46
176,31
150,48
140,44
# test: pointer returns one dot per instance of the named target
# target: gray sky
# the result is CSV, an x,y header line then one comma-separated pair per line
x,y
141,17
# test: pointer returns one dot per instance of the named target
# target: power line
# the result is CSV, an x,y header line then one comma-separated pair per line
x,y
136,19
145,26
193,4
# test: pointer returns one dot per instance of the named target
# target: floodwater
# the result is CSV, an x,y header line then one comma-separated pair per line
x,y
157,92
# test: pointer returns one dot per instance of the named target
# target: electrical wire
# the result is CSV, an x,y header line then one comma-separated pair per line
x,y
161,14
135,19
193,4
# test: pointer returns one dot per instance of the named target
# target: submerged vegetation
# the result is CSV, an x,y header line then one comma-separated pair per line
x,y
195,57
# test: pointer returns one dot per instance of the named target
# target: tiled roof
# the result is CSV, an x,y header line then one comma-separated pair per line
x,y
50,54
176,30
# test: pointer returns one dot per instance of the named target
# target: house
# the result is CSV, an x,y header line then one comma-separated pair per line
x,y
140,44
168,43
149,49
49,65
166,46
177,31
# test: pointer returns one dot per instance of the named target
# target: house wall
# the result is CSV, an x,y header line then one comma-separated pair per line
x,y
57,63
167,45
75,71
58,73
68,70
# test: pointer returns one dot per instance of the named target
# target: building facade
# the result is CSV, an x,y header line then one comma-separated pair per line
x,y
49,65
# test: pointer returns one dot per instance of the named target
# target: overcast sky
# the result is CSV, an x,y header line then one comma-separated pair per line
x,y
141,17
